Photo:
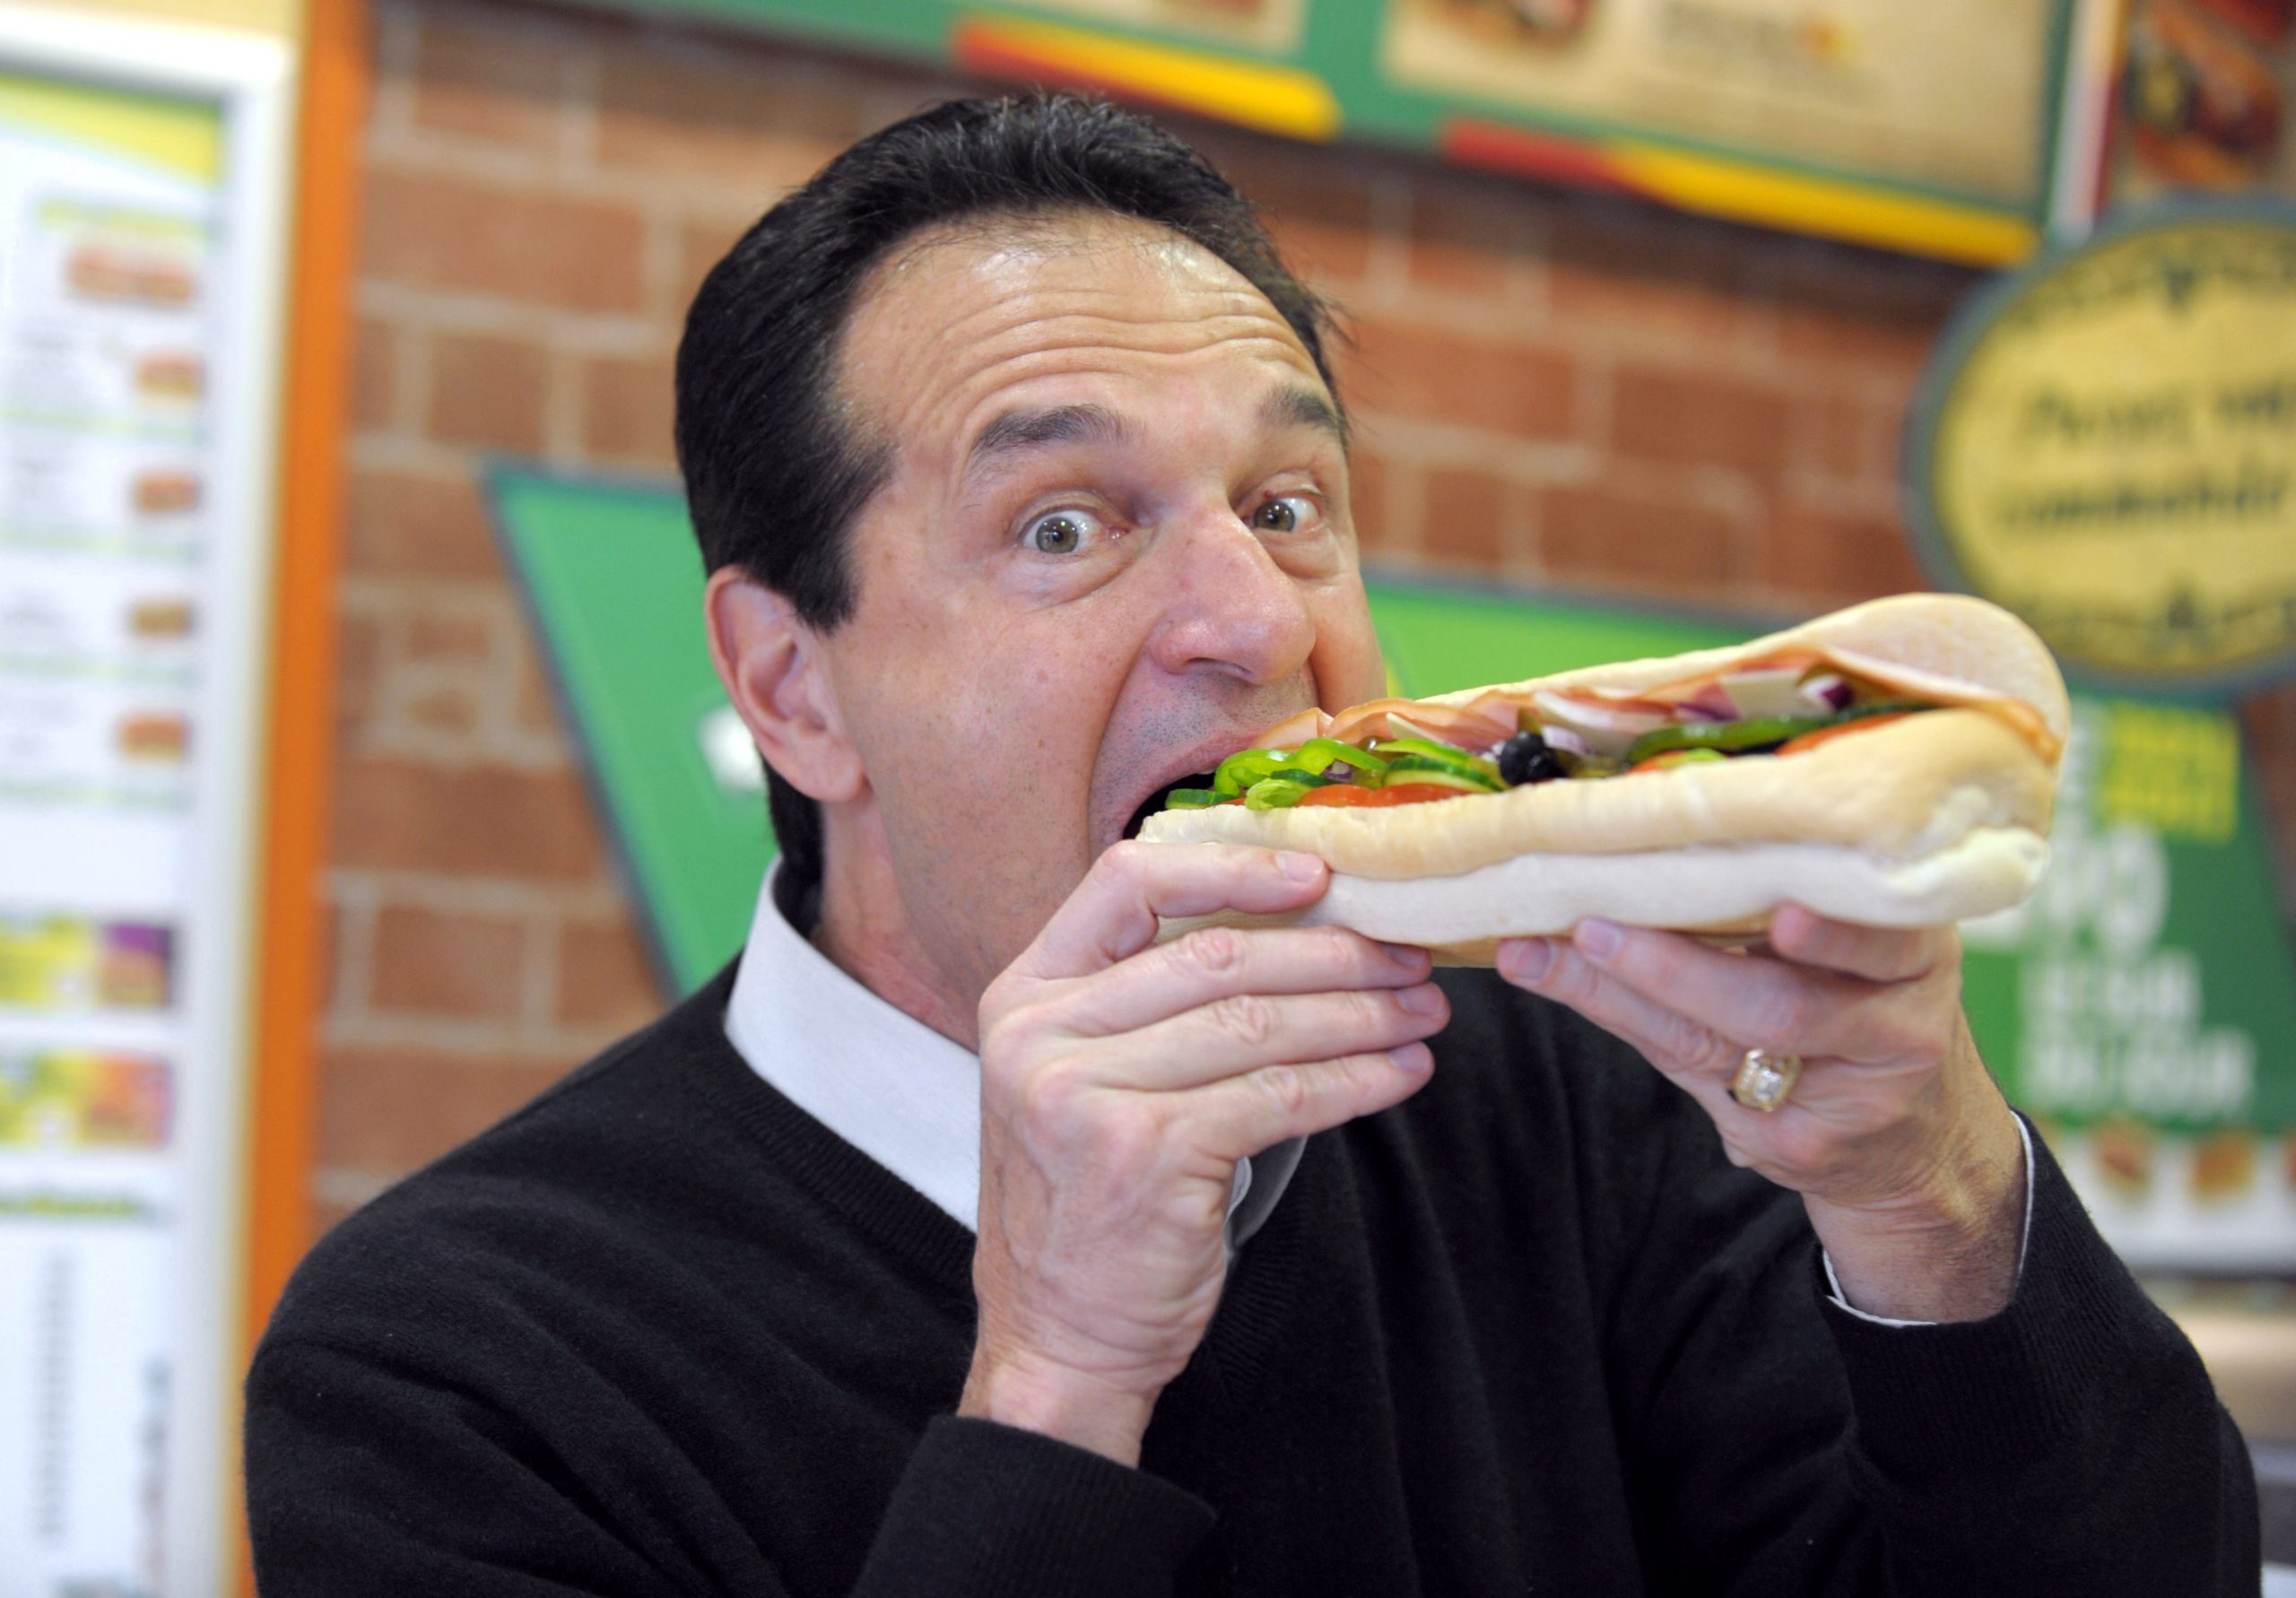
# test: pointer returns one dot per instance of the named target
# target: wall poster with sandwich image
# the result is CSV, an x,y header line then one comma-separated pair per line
x,y
1275,26
137,168
2206,92
1950,97
1933,128
2140,1008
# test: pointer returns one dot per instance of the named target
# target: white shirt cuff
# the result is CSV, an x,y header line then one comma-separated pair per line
x,y
1833,1282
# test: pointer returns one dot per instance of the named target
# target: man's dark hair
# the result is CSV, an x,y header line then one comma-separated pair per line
x,y
775,467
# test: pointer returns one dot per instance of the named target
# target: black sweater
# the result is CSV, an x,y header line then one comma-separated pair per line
x,y
661,1331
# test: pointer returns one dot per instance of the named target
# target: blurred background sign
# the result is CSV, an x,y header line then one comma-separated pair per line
x,y
1933,128
142,172
2204,101
2106,443
2139,1008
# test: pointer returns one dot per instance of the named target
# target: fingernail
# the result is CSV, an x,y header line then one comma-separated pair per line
x,y
1426,999
1299,867
1413,1057
1600,939
1404,954
1530,961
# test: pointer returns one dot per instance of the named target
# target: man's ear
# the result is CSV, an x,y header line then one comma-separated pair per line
x,y
771,664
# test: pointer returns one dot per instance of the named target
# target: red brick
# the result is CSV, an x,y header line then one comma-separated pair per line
x,y
338,983
1649,273
628,410
394,814
1874,315
1667,414
603,979
533,709
500,86
743,118
1470,238
488,393
434,230
357,670
326,1213
702,245
1470,516
403,524
1318,211
462,968
1835,436
374,375
1441,377
445,674
1367,496
1612,534
1824,555
388,1110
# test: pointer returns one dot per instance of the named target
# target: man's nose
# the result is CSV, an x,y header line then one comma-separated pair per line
x,y
1232,605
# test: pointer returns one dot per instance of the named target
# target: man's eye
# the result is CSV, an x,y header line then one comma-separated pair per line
x,y
1061,532
1285,513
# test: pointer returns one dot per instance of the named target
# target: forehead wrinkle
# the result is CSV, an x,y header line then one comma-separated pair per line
x,y
995,380
927,361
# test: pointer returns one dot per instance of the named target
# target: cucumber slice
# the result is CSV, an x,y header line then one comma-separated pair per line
x,y
1446,773
1467,773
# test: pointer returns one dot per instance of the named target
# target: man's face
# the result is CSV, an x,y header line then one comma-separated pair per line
x,y
1116,545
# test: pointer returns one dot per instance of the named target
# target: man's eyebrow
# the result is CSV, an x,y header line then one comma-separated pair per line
x,y
1017,432
1289,407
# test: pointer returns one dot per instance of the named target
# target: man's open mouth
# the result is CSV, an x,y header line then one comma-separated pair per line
x,y
1155,801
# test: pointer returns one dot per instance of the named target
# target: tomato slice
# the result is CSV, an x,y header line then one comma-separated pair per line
x,y
1809,741
1349,794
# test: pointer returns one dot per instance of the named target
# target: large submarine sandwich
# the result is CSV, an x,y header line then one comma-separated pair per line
x,y
1891,764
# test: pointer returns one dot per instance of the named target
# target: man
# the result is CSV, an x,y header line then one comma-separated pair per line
x,y
963,1240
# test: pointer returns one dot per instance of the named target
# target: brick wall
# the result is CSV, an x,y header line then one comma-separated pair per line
x,y
1559,388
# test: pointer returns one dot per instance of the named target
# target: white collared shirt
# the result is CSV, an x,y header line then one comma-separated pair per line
x,y
887,1083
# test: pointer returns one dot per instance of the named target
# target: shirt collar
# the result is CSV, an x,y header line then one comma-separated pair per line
x,y
887,1083
874,1075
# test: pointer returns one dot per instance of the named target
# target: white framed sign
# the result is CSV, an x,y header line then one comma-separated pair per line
x,y
144,184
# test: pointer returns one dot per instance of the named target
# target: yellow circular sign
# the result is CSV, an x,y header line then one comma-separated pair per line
x,y
2109,449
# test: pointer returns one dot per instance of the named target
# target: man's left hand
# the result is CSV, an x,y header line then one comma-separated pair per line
x,y
1904,1151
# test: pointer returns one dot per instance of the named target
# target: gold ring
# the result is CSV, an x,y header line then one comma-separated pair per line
x,y
1765,1081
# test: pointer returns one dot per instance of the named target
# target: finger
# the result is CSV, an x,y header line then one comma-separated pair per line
x,y
1677,1045
1248,1031
1755,1000
1243,1114
1877,953
1213,962
1112,915
1690,1057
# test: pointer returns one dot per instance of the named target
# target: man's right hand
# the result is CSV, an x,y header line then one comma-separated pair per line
x,y
1121,1080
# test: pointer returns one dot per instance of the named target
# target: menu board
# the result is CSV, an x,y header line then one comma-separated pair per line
x,y
136,260
1931,127
2140,1008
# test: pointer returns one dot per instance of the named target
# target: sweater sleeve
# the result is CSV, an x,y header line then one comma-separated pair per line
x,y
1781,1445
363,1479
991,1508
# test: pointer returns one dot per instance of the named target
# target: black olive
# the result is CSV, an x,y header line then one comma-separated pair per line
x,y
1526,758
